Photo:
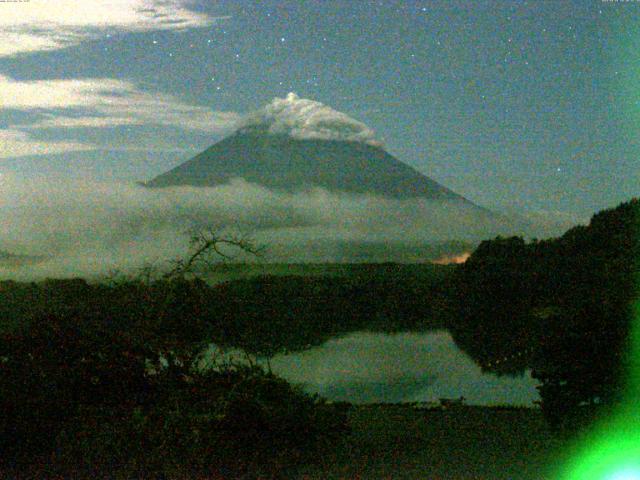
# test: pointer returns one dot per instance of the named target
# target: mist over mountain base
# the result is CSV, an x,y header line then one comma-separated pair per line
x,y
88,229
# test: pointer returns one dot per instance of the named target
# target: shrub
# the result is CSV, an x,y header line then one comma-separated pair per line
x,y
82,399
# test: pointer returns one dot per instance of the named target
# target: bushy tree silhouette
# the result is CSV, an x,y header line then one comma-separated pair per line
x,y
101,380
564,303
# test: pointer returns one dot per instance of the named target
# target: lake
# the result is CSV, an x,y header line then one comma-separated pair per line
x,y
365,367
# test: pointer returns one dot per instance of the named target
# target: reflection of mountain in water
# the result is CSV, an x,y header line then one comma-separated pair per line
x,y
408,367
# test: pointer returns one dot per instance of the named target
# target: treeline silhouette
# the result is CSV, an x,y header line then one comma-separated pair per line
x,y
98,381
272,314
562,307
262,315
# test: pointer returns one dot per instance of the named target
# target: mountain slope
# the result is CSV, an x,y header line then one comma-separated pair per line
x,y
282,162
293,144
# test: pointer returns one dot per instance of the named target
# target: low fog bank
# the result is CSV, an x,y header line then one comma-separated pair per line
x,y
407,367
79,228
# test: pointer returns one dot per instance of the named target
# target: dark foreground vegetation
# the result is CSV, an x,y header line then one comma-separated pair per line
x,y
563,307
83,395
263,315
466,443
98,380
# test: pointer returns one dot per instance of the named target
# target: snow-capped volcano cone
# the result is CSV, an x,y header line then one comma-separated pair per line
x,y
293,144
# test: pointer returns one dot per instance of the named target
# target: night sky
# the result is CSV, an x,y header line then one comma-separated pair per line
x,y
509,103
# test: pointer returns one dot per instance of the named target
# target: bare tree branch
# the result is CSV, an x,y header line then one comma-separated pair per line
x,y
207,246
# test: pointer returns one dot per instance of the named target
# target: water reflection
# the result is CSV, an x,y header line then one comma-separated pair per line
x,y
407,367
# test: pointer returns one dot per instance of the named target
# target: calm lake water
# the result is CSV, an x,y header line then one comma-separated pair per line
x,y
368,367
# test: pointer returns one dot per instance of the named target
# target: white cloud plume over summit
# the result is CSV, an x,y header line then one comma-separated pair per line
x,y
39,25
307,119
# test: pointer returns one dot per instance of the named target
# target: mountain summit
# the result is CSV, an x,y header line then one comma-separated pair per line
x,y
292,144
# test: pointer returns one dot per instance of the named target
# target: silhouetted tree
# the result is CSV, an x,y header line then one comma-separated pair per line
x,y
566,302
102,380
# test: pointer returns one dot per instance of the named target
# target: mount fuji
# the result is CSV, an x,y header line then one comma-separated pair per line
x,y
294,144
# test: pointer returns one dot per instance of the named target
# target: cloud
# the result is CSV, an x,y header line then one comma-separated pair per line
x,y
88,121
104,102
308,119
39,25
87,228
18,144
100,103
108,102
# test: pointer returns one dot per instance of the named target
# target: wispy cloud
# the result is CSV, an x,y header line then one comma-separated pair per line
x,y
102,102
108,102
89,228
19,144
40,25
52,121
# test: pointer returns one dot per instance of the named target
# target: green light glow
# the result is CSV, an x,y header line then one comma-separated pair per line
x,y
614,458
611,450
631,473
